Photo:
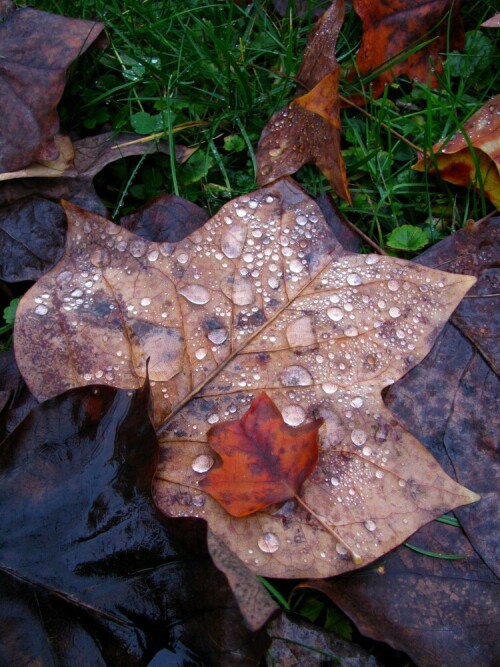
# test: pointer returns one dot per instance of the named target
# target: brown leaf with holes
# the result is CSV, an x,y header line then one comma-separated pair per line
x,y
308,129
480,168
264,460
261,298
32,79
391,28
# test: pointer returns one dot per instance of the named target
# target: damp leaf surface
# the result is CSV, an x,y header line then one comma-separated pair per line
x,y
261,298
264,460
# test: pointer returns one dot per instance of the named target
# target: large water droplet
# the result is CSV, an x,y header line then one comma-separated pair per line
x,y
243,292
329,387
393,285
296,376
138,248
273,282
354,279
335,314
296,266
146,301
41,310
268,543
218,336
233,240
195,294
300,332
99,257
394,312
370,525
357,402
201,353
351,332
77,293
293,415
213,418
202,463
358,437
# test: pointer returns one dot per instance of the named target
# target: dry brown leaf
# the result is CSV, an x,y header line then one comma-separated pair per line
x,y
62,166
260,298
458,164
308,129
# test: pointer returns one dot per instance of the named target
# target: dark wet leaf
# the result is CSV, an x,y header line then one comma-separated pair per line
x,y
91,572
442,613
166,218
474,250
298,642
32,235
36,50
16,400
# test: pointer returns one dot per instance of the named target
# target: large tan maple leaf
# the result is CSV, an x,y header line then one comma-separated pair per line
x,y
261,298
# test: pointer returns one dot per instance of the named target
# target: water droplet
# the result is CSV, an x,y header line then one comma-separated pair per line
x,y
358,437
335,314
233,240
77,293
357,402
41,310
393,285
296,376
218,336
138,248
329,387
273,282
300,332
195,294
183,258
240,212
202,463
334,481
296,266
293,415
243,292
153,255
301,220
354,279
366,451
394,312
351,332
87,377
146,301
371,259
213,418
64,277
201,353
370,525
99,257
379,474
341,550
268,543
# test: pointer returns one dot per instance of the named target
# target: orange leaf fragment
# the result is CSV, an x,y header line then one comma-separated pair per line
x,y
264,460
393,27
457,164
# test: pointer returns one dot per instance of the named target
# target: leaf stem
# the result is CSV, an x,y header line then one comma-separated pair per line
x,y
322,522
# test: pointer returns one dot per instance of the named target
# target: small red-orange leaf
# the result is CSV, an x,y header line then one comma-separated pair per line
x,y
264,461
